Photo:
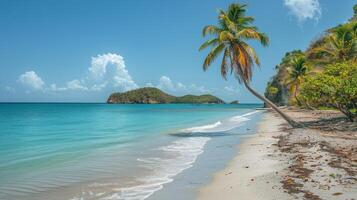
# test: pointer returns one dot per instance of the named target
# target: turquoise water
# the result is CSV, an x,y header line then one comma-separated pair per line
x,y
101,151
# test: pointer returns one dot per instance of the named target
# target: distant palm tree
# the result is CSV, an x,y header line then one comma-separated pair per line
x,y
297,71
339,45
229,37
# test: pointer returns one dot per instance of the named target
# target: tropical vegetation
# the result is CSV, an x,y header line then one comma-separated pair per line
x,y
229,37
151,95
322,76
335,87
297,70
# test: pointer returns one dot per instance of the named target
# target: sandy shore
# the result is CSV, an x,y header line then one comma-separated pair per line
x,y
318,162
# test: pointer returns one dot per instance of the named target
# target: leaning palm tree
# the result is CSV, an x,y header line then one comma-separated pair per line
x,y
229,37
297,70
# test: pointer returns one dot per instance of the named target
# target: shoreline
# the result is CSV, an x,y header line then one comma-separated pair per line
x,y
219,150
277,162
237,178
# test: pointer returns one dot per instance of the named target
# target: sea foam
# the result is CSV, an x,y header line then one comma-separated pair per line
x,y
181,153
221,126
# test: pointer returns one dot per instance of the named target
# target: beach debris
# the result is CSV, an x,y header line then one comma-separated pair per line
x,y
319,161
337,193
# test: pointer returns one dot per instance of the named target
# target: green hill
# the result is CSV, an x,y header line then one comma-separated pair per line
x,y
151,95
206,98
340,43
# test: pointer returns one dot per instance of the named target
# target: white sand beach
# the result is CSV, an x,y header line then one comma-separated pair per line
x,y
282,163
252,173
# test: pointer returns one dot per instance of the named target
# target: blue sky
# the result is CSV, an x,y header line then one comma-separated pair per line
x,y
83,50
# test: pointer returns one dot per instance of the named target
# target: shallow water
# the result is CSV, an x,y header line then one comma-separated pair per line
x,y
101,151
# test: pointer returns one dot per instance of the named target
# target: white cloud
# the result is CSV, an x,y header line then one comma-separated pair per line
x,y
98,87
166,84
121,78
181,86
76,85
193,88
304,9
231,90
31,80
54,87
9,89
100,78
108,71
149,85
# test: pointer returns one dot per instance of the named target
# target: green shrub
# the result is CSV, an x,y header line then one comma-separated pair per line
x,y
272,90
335,87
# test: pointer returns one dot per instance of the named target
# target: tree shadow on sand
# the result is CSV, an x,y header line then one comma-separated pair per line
x,y
331,124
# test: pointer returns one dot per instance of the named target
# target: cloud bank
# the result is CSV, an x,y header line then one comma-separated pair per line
x,y
304,9
31,80
108,73
166,84
231,90
121,78
98,78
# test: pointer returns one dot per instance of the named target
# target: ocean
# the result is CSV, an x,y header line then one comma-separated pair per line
x,y
109,151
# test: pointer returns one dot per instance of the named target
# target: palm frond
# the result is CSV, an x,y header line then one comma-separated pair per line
x,y
252,33
226,36
320,51
243,61
210,29
224,66
251,53
245,21
229,24
212,56
231,33
208,43
236,11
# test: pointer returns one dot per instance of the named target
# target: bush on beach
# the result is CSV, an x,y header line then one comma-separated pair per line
x,y
335,87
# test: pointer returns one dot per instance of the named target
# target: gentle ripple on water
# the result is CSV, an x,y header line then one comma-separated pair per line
x,y
60,150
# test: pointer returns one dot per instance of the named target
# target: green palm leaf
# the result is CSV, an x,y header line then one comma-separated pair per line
x,y
208,43
233,30
212,56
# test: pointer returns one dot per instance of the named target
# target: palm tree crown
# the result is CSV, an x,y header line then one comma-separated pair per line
x,y
229,36
298,69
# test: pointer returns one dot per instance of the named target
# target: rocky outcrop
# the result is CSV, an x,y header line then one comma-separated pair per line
x,y
234,102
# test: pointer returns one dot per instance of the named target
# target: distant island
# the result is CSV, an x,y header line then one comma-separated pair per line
x,y
151,95
234,102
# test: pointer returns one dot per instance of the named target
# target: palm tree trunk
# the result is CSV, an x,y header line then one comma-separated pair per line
x,y
295,95
272,105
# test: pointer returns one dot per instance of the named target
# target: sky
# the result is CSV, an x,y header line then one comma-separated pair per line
x,y
83,50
